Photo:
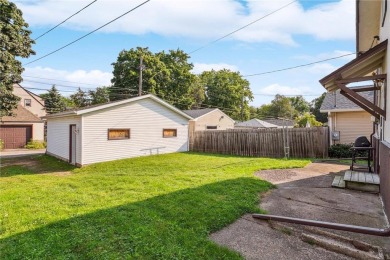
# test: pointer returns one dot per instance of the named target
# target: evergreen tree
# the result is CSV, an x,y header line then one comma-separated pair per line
x,y
99,96
80,98
14,42
54,101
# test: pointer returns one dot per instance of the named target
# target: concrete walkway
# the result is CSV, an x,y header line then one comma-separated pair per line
x,y
305,193
10,153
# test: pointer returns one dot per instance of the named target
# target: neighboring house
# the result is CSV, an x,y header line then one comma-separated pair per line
x,y
254,124
127,128
371,64
25,124
346,120
209,119
281,123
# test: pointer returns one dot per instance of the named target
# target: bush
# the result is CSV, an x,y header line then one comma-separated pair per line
x,y
35,144
344,151
1,144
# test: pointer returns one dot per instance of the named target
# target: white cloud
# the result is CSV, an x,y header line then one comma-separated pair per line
x,y
321,68
198,19
200,67
40,78
274,89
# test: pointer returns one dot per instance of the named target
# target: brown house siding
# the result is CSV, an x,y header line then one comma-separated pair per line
x,y
384,174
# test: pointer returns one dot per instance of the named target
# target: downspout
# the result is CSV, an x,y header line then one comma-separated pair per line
x,y
336,226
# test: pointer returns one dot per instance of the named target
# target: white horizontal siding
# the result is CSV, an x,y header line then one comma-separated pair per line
x,y
352,125
146,120
58,137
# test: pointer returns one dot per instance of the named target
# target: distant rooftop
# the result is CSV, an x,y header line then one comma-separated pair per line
x,y
280,122
256,123
195,113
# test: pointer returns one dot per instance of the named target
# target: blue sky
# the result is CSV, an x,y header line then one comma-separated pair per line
x,y
303,32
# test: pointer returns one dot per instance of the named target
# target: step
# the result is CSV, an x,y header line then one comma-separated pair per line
x,y
363,181
338,182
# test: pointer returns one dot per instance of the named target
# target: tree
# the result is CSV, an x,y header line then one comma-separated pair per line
x,y
54,102
167,75
303,120
299,104
315,109
15,42
80,98
228,90
99,96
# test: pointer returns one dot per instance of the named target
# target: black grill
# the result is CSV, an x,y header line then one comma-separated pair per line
x,y
362,147
362,141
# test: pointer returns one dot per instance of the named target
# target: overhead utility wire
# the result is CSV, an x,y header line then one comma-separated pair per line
x,y
26,76
64,20
243,27
78,39
298,66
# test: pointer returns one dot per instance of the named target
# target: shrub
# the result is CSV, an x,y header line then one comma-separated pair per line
x,y
35,144
344,151
1,144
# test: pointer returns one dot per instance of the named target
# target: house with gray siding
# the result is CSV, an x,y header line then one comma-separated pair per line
x,y
127,128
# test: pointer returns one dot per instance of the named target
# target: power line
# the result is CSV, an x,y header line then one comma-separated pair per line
x,y
243,27
58,85
298,66
78,39
26,76
64,20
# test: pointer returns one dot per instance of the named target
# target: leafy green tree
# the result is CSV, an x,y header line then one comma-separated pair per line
x,y
80,98
197,93
99,96
303,120
315,109
299,104
15,42
167,75
264,111
228,90
54,101
281,107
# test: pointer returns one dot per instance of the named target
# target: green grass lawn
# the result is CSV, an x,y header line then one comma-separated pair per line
x,y
156,207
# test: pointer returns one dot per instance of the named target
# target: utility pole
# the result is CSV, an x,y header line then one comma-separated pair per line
x,y
141,67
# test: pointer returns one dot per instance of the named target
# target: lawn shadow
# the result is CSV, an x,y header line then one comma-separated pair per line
x,y
171,226
33,164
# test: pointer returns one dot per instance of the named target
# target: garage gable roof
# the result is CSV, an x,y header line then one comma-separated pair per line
x,y
90,109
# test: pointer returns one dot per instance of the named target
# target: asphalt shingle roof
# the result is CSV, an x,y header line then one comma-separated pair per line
x,y
334,100
280,122
195,113
21,115
256,123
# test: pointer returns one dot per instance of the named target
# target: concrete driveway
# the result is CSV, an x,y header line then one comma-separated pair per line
x,y
307,193
10,153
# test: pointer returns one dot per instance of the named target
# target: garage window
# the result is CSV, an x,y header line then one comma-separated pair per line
x,y
167,133
118,134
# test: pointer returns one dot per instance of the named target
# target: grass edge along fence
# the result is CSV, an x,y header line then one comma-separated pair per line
x,y
310,142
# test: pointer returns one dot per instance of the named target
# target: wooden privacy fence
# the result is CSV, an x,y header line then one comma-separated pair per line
x,y
303,142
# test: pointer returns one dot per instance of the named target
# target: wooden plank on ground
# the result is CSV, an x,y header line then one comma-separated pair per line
x,y
375,177
347,176
354,176
369,178
362,177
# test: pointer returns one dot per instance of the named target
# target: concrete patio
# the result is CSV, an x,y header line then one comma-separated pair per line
x,y
307,193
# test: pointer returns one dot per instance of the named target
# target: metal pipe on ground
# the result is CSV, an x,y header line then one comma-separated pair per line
x,y
329,225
